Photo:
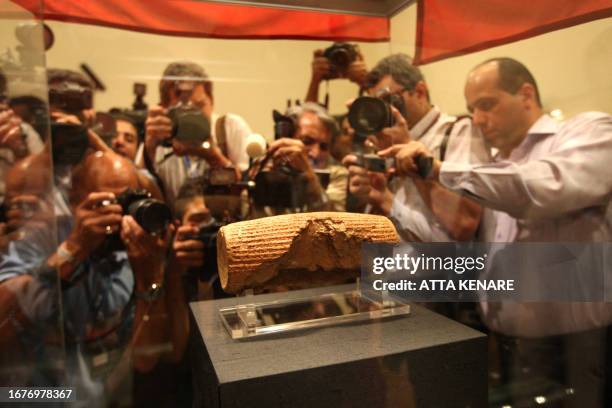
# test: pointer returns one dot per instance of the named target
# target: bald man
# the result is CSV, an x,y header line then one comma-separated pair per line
x,y
98,285
549,182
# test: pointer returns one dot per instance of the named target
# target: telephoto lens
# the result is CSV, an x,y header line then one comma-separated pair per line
x,y
369,115
152,215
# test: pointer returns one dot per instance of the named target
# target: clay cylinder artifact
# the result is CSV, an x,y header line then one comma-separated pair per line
x,y
297,250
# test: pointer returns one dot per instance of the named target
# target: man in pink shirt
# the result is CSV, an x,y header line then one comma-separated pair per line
x,y
549,182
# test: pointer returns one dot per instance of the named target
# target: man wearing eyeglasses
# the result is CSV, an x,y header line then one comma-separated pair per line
x,y
309,151
423,210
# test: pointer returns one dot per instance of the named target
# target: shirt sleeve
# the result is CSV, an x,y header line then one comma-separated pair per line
x,y
336,190
237,131
574,175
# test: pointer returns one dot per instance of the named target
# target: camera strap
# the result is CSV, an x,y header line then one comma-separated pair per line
x,y
447,133
221,134
149,166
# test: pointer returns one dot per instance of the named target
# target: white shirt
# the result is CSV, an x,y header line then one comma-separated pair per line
x,y
465,145
554,187
174,171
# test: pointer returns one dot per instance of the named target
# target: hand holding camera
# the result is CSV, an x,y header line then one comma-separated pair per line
x,y
321,67
382,116
290,152
189,247
158,127
95,218
145,250
413,159
369,187
11,136
341,60
396,134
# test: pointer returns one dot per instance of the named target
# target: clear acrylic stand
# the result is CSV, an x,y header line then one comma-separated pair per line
x,y
251,319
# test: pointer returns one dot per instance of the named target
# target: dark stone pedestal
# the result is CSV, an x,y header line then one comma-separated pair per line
x,y
422,360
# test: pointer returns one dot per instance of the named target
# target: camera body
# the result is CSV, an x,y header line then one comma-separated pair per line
x,y
207,233
70,97
152,215
369,115
279,188
189,125
284,125
373,162
340,56
69,142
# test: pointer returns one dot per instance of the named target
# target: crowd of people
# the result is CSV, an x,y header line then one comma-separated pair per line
x,y
106,235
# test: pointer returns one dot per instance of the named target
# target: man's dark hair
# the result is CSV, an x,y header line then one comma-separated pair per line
x,y
512,75
182,71
125,118
400,67
57,76
190,190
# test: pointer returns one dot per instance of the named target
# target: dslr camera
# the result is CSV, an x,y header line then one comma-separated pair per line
x,y
282,186
69,141
373,162
369,115
151,214
189,125
340,56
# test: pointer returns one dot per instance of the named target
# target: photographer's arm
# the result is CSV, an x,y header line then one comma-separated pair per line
x,y
158,127
147,258
368,187
458,215
11,135
320,70
92,223
292,153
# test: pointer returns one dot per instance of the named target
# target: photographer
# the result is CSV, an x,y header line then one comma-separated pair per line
x,y
43,179
17,139
424,210
195,246
341,60
549,183
186,89
117,298
125,142
308,152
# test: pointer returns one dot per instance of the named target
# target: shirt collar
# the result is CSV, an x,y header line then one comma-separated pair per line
x,y
426,122
545,125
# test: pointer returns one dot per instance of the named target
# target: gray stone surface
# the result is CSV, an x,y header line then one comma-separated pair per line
x,y
423,358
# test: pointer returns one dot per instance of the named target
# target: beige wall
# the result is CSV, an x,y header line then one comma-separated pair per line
x,y
251,77
572,66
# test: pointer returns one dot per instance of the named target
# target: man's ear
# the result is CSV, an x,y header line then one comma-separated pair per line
x,y
420,89
527,92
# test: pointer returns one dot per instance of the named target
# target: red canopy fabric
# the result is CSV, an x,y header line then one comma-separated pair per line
x,y
447,28
215,20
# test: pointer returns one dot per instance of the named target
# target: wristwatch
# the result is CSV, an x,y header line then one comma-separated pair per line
x,y
152,293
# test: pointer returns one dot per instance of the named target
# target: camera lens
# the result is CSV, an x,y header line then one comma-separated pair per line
x,y
152,215
340,58
369,115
